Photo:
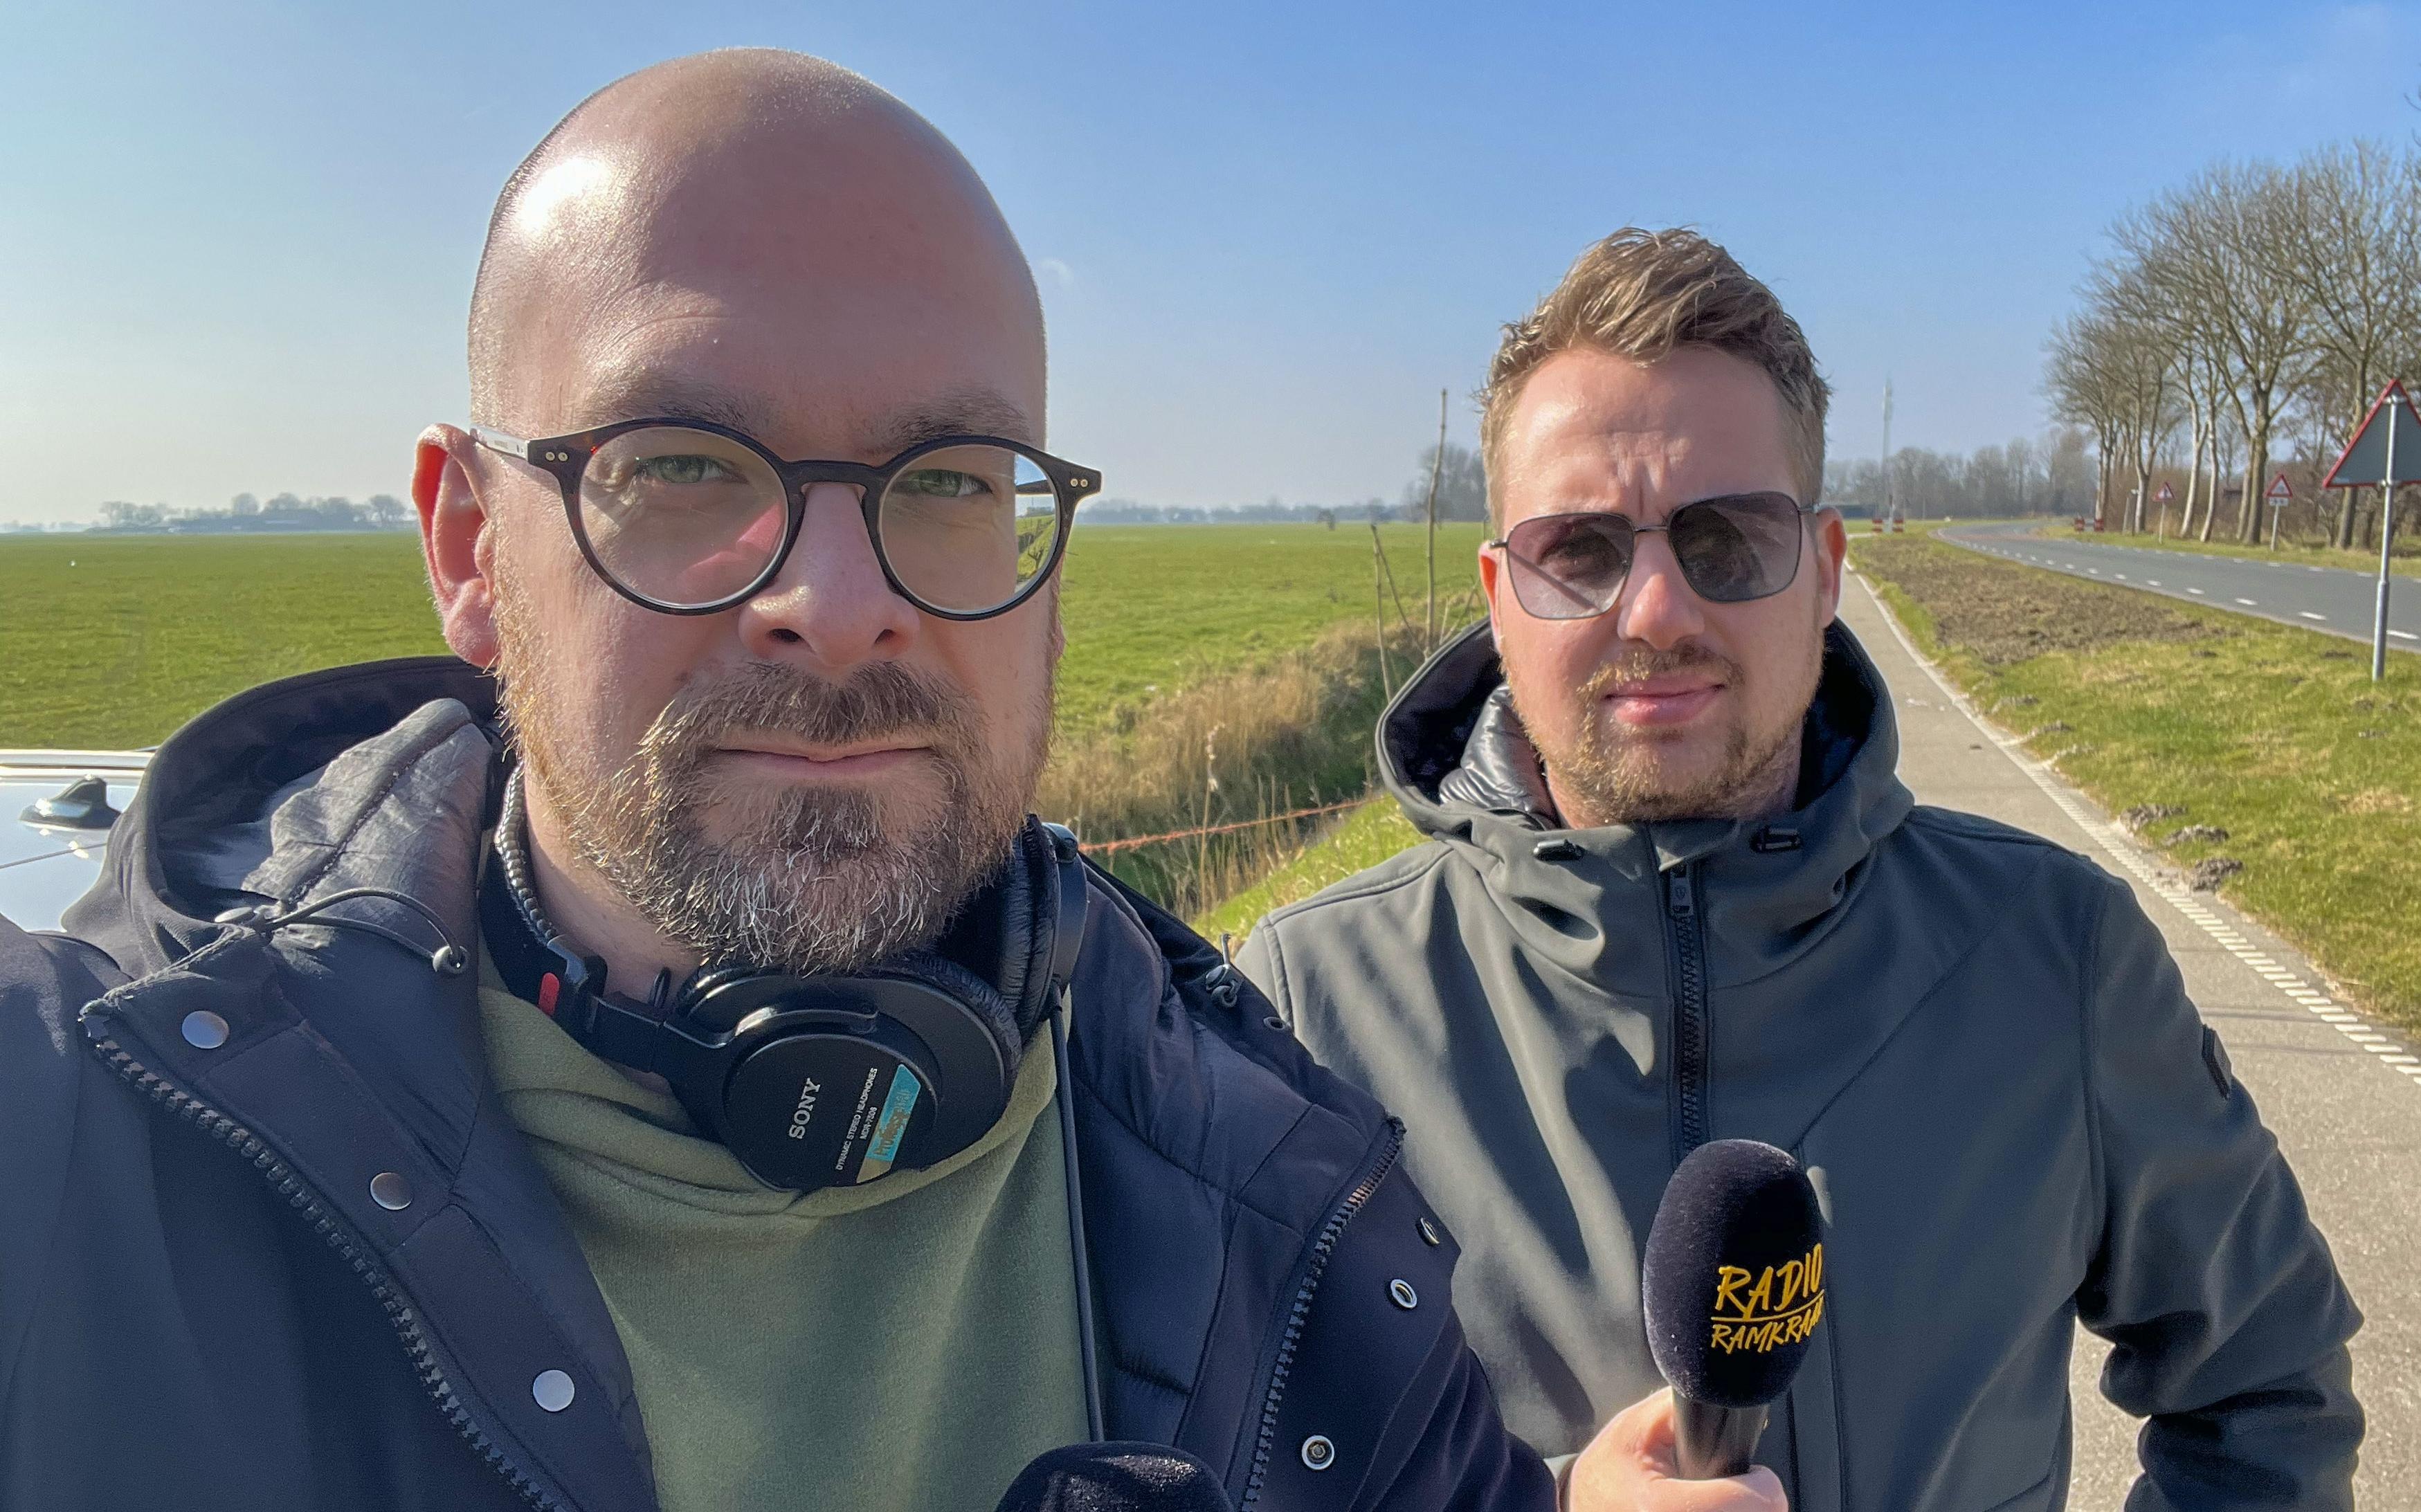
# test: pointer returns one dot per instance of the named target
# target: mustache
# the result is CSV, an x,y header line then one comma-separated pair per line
x,y
1641,663
883,699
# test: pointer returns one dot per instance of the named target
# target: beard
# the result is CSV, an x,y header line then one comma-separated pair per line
x,y
1628,775
805,879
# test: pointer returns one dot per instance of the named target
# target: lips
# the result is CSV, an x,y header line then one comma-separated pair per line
x,y
850,761
1659,702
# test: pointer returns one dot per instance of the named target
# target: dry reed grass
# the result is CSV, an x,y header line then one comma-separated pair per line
x,y
1294,731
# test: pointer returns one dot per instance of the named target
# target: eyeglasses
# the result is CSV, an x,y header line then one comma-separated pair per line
x,y
1733,549
688,518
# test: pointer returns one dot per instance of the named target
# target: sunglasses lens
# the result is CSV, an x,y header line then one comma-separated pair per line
x,y
681,517
966,529
1568,567
1735,549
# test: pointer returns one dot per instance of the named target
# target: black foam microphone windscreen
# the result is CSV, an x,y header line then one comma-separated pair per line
x,y
1733,1286
1116,1477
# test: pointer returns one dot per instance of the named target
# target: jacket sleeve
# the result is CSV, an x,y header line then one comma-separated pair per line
x,y
2227,1315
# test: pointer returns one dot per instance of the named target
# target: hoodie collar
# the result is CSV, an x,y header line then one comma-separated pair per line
x,y
1454,755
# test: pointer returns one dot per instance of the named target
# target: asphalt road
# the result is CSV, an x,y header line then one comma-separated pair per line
x,y
2343,1095
2293,593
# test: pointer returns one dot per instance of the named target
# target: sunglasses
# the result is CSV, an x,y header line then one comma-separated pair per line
x,y
1732,549
688,518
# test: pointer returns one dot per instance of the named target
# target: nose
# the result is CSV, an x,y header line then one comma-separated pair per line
x,y
1658,606
830,606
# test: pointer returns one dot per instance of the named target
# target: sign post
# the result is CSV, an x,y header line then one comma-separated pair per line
x,y
2377,454
2167,494
2279,495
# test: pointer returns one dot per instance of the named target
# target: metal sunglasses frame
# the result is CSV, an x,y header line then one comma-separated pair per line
x,y
1505,543
566,458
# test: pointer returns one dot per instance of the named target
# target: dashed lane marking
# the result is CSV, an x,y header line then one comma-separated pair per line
x,y
2308,614
2132,859
2246,602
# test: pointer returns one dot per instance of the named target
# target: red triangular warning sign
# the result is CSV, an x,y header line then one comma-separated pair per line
x,y
2280,492
2365,462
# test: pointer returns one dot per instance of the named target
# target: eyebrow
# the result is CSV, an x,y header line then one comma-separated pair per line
x,y
642,394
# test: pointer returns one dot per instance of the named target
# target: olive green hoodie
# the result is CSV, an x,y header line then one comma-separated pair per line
x,y
1973,1037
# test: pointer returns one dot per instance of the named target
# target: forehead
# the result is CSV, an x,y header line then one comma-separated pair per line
x,y
1592,430
823,318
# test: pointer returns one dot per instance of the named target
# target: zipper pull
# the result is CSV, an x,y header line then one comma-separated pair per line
x,y
1683,904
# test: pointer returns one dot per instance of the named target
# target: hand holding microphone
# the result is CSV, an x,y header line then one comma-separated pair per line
x,y
1732,1290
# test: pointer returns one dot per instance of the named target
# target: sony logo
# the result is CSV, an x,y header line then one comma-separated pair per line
x,y
806,1110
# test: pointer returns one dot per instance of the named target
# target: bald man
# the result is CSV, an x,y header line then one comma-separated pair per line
x,y
622,1067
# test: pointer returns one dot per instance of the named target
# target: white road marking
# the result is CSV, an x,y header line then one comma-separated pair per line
x,y
2246,602
2127,854
2154,581
2308,614
2404,635
2196,592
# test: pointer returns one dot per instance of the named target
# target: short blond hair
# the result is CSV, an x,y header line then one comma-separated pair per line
x,y
1641,294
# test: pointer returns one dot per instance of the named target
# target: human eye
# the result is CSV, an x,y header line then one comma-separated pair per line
x,y
941,483
684,470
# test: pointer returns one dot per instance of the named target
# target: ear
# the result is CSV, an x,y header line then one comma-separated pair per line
x,y
455,541
1488,566
1832,542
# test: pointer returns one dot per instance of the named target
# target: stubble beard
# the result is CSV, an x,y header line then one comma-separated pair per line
x,y
803,878
1625,775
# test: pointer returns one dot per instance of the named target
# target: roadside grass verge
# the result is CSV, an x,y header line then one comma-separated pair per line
x,y
2405,564
2267,746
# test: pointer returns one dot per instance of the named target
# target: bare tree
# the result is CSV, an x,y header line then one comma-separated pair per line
x,y
2220,251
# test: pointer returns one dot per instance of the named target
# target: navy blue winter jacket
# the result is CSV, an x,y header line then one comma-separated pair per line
x,y
202,1306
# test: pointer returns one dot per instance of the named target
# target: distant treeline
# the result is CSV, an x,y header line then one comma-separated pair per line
x,y
286,511
2053,474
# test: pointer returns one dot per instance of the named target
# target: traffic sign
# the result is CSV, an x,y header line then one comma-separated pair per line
x,y
2279,493
2167,494
2365,462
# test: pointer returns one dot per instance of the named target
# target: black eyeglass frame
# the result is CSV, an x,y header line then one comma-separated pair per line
x,y
566,458
1505,542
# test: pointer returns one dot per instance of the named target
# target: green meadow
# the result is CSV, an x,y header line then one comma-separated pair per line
x,y
114,641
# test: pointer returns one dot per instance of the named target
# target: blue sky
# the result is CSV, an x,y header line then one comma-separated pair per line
x,y
237,247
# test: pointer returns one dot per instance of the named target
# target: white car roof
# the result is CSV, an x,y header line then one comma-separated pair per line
x,y
45,868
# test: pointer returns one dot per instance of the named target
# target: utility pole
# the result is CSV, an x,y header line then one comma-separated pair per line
x,y
1890,514
1437,462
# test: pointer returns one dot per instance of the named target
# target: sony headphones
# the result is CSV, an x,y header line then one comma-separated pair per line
x,y
824,1081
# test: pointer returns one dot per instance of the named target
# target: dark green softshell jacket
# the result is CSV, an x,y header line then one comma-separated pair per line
x,y
1973,1037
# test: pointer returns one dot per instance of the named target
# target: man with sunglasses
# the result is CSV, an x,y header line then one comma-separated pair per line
x,y
675,1072
1673,891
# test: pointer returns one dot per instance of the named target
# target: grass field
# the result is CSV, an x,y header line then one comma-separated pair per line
x,y
2273,735
2405,564
114,641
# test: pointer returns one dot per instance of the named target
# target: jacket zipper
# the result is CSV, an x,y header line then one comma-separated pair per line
x,y
297,1193
1327,1244
1691,1030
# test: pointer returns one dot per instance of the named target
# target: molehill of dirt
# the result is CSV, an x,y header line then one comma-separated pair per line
x,y
2002,614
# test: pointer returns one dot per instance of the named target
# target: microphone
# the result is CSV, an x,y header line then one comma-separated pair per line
x,y
1732,1290
1115,1477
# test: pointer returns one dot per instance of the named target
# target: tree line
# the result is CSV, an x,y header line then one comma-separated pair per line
x,y
284,511
2240,325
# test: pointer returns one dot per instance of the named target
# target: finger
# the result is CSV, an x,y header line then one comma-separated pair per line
x,y
1759,1491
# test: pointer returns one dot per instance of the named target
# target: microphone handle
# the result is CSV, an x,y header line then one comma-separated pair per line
x,y
1710,1443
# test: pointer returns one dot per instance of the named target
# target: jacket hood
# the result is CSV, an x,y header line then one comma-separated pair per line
x,y
1453,754
295,788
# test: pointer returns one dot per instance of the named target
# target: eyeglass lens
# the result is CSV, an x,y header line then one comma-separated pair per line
x,y
1730,549
688,518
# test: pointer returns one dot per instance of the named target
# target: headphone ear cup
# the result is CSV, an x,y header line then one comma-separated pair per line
x,y
953,980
